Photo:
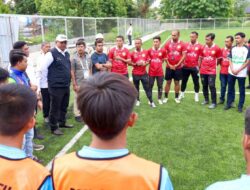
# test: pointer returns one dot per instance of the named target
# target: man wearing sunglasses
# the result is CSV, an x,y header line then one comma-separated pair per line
x,y
57,61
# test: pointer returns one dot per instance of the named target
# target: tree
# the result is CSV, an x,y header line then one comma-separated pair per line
x,y
196,8
4,8
25,7
239,8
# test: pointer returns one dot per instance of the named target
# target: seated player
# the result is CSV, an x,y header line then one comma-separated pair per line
x,y
17,171
106,101
242,183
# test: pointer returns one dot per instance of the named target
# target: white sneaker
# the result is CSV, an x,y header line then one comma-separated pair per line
x,y
160,101
165,100
182,95
137,103
196,97
153,105
177,100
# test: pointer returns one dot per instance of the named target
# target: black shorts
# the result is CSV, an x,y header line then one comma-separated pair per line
x,y
173,74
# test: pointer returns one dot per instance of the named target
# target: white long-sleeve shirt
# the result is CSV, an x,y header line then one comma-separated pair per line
x,y
41,74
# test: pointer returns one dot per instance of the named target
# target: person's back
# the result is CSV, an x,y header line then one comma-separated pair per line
x,y
17,171
243,183
106,163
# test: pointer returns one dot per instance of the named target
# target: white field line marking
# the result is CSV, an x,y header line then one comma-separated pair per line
x,y
192,92
69,145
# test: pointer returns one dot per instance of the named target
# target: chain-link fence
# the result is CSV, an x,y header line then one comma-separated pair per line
x,y
37,29
209,23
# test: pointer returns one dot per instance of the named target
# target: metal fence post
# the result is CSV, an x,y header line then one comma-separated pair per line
x,y
42,29
82,28
187,25
200,23
242,23
214,23
228,23
65,26
118,29
95,26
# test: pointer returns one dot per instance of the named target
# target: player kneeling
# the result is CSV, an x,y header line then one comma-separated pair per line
x,y
106,102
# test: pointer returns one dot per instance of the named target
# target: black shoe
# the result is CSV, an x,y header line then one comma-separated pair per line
x,y
248,87
227,107
78,119
57,132
240,110
221,102
39,137
65,126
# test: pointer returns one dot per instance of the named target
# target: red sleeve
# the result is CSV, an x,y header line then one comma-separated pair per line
x,y
184,47
164,54
132,56
218,53
149,54
201,50
166,47
128,54
111,54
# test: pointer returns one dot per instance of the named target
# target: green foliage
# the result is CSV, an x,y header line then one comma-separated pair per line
x,y
4,8
25,7
196,8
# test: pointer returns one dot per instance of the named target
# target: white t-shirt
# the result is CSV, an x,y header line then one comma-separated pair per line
x,y
238,56
130,31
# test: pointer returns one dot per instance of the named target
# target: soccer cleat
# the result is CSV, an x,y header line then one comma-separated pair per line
x,y
196,97
165,100
182,95
240,110
153,105
137,103
212,106
177,100
205,102
160,101
38,147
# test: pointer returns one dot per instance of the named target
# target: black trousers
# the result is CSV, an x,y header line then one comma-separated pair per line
x,y
159,80
145,83
208,81
130,39
59,102
186,72
46,101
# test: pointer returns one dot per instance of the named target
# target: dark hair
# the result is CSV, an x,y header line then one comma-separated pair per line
x,y
247,121
4,75
241,34
15,56
80,42
211,35
17,106
231,38
98,41
120,36
106,101
19,44
157,38
194,32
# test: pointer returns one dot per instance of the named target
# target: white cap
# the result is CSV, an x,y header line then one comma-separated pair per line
x,y
99,35
61,38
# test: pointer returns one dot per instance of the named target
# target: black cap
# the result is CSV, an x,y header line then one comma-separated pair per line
x,y
247,121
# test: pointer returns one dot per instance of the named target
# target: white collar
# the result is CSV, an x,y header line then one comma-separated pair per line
x,y
139,51
175,42
211,46
118,48
61,50
194,44
153,48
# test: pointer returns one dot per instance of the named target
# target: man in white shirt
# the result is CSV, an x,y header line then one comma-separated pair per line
x,y
242,183
129,33
42,80
57,62
239,59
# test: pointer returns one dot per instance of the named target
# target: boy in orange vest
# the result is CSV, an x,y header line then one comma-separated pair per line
x,y
17,105
106,102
